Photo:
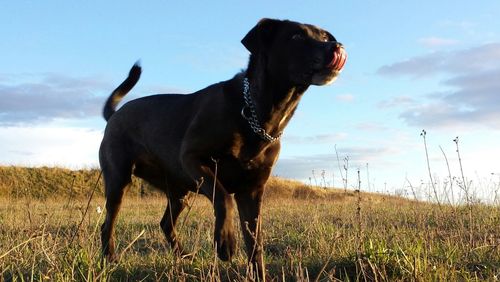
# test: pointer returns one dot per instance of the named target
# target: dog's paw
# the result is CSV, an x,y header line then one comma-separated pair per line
x,y
226,246
111,258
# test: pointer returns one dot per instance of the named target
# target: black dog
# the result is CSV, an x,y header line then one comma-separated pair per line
x,y
219,141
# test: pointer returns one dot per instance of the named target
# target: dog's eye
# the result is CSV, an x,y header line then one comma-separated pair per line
x,y
298,36
325,38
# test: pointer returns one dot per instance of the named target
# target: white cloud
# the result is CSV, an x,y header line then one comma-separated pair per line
x,y
49,145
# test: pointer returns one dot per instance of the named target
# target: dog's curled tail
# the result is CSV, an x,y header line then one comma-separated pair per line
x,y
122,90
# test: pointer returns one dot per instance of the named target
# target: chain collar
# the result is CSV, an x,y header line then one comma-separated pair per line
x,y
253,121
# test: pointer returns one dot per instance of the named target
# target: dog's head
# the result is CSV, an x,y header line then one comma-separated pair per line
x,y
304,53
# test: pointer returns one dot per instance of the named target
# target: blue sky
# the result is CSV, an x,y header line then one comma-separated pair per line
x,y
432,65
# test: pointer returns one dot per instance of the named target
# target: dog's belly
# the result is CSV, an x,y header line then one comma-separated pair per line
x,y
237,176
170,180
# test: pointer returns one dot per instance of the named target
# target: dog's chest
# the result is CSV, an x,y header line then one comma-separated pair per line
x,y
251,155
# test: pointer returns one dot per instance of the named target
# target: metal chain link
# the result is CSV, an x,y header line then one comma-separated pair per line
x,y
252,119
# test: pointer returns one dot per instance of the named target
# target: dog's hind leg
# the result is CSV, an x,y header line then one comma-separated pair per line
x,y
175,204
172,212
115,183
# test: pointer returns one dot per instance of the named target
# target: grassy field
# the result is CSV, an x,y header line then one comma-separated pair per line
x,y
48,234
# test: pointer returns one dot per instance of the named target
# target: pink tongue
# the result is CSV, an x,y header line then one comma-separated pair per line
x,y
339,59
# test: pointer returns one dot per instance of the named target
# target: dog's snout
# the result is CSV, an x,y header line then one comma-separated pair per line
x,y
335,46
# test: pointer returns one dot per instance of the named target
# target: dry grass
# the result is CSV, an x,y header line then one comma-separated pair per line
x,y
309,233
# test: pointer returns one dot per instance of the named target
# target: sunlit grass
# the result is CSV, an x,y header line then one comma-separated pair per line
x,y
309,233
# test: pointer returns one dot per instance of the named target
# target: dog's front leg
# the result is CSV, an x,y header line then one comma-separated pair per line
x,y
223,203
249,205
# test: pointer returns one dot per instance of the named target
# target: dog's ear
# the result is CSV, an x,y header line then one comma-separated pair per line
x,y
260,37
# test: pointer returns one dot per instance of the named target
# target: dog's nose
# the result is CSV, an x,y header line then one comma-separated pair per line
x,y
335,46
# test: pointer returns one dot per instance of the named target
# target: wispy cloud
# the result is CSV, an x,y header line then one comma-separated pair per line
x,y
472,77
467,27
396,102
49,97
473,102
433,42
481,58
371,126
346,98
316,139
300,167
416,67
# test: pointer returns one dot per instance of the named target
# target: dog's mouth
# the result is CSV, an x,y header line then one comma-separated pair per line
x,y
327,72
338,61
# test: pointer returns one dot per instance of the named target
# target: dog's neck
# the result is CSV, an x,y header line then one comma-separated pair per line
x,y
276,100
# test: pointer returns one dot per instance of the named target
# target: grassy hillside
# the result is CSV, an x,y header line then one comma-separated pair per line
x,y
42,182
45,182
310,234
